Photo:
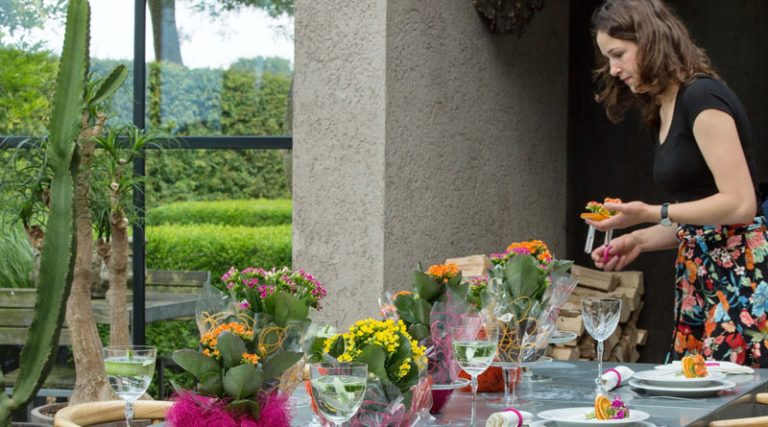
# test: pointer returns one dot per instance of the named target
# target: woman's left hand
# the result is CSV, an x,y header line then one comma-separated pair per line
x,y
629,214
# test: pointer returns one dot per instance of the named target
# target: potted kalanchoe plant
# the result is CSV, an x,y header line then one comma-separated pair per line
x,y
249,364
527,286
428,312
398,389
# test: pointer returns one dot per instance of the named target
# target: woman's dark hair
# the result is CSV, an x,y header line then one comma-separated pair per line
x,y
666,55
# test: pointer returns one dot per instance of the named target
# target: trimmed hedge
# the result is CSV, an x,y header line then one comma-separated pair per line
x,y
253,213
216,248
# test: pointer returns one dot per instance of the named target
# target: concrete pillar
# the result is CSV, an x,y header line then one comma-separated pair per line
x,y
418,136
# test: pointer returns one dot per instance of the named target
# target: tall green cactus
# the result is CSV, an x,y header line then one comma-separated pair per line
x,y
58,254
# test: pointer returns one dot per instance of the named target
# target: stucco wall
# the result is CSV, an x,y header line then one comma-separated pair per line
x,y
338,151
476,131
419,136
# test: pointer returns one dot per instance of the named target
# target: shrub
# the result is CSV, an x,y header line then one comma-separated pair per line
x,y
216,248
253,213
16,259
26,88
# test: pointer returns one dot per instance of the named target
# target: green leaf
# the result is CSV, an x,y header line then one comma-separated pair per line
x,y
418,331
275,366
289,308
242,381
110,84
241,406
231,348
195,363
375,357
337,347
426,287
404,304
210,384
421,310
521,274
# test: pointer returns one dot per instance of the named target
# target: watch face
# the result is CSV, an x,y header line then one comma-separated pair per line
x,y
666,221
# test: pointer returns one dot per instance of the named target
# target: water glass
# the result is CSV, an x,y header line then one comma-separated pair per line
x,y
600,317
474,348
338,389
129,370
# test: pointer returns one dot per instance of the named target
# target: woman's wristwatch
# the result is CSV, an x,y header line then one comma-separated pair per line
x,y
665,215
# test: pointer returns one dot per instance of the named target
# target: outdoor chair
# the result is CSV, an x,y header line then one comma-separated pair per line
x,y
760,421
88,414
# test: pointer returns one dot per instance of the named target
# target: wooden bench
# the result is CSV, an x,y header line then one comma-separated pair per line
x,y
169,295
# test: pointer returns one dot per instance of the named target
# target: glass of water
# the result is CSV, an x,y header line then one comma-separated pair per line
x,y
338,389
600,317
474,348
129,370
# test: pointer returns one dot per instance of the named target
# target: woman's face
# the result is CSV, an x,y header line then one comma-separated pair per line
x,y
622,58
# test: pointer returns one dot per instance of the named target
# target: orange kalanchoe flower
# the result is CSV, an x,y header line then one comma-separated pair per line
x,y
443,272
250,358
211,338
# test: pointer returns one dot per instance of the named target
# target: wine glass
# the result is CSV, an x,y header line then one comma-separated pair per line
x,y
474,348
129,369
600,317
338,389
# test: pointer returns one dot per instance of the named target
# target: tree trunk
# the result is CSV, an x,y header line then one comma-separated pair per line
x,y
165,33
91,381
119,333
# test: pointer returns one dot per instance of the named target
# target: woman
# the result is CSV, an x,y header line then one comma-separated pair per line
x,y
703,160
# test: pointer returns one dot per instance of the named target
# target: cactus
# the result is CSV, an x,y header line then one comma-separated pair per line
x,y
57,259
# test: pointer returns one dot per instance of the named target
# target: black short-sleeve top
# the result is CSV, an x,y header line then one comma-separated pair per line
x,y
679,167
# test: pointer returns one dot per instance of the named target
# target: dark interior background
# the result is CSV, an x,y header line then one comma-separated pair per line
x,y
616,160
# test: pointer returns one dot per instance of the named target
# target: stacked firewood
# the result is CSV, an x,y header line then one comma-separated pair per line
x,y
622,345
627,285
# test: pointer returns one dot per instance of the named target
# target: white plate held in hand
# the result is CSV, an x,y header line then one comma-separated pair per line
x,y
673,378
577,417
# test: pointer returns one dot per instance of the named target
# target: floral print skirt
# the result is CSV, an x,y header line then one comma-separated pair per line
x,y
721,293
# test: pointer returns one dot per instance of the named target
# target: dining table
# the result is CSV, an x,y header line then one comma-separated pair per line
x,y
572,385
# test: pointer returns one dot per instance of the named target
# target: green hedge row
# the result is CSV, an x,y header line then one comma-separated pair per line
x,y
216,248
252,213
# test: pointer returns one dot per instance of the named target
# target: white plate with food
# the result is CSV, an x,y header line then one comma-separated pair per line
x,y
675,378
550,423
710,390
580,417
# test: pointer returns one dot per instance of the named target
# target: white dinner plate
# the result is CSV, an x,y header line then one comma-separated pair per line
x,y
550,423
724,367
577,417
674,378
710,390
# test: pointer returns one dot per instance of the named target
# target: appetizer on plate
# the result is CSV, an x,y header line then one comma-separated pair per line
x,y
694,366
607,409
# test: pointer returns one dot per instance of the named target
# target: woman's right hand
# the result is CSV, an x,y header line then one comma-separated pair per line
x,y
620,252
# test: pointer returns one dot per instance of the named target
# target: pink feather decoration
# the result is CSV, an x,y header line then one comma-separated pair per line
x,y
193,410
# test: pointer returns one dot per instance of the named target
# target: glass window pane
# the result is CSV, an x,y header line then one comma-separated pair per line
x,y
213,71
31,37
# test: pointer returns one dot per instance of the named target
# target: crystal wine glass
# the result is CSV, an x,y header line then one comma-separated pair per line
x,y
338,389
600,317
129,369
474,348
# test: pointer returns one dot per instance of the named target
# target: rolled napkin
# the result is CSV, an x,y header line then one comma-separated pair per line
x,y
616,377
716,366
509,417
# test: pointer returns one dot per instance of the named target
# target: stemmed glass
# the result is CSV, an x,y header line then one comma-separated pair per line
x,y
338,389
600,317
129,369
474,348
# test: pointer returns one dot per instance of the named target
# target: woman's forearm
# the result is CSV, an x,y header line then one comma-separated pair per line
x,y
656,238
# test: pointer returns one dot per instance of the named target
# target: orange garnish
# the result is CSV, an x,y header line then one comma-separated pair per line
x,y
694,366
593,216
602,404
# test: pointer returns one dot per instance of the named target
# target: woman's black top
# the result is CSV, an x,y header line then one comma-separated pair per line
x,y
679,167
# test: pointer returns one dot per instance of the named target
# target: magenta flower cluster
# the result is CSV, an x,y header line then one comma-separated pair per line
x,y
618,410
252,287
